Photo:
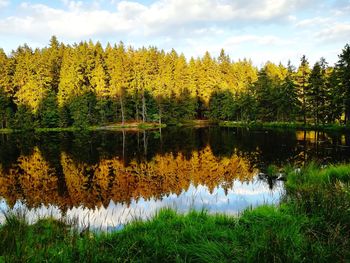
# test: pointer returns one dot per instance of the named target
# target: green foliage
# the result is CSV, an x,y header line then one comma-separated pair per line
x,y
82,110
64,117
5,109
23,119
312,224
48,112
222,106
148,84
343,67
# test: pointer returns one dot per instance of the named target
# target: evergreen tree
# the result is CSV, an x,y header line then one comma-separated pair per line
x,y
287,98
335,108
84,84
343,67
48,111
317,93
23,119
265,95
302,85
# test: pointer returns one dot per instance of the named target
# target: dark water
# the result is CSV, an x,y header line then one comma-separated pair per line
x,y
106,179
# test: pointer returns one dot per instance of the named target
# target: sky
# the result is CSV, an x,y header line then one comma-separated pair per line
x,y
260,30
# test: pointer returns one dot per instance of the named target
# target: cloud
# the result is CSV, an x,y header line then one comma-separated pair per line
x,y
4,3
261,40
257,29
46,21
335,32
315,21
163,17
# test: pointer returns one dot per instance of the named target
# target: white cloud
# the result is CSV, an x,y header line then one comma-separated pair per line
x,y
261,40
4,3
45,21
163,17
315,21
335,32
257,29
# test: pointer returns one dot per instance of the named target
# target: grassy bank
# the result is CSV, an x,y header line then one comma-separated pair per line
x,y
131,125
285,125
196,123
115,126
311,225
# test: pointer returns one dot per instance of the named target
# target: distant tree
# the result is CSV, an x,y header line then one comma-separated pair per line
x,y
266,96
23,119
287,98
85,84
317,92
336,96
5,109
119,69
302,85
343,67
48,111
222,106
80,110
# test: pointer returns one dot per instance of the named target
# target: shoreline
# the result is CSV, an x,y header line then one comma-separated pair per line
x,y
139,126
285,126
311,223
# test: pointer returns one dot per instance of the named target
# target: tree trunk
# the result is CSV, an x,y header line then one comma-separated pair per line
x,y
160,116
122,109
143,106
346,116
160,125
137,112
123,145
144,143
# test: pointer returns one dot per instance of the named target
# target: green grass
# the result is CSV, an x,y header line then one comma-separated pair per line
x,y
150,125
6,130
57,129
312,224
140,126
286,125
195,123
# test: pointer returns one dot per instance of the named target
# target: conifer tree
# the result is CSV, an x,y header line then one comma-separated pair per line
x,y
343,67
302,85
317,93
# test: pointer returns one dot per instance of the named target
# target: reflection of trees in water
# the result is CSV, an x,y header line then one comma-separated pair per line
x,y
261,147
33,181
93,168
320,147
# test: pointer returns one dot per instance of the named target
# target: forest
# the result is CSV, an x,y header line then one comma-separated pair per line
x,y
85,84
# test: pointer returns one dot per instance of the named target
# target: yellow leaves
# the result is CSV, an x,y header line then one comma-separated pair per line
x,y
99,81
36,178
274,72
112,179
31,93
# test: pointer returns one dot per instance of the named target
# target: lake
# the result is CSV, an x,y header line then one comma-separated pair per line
x,y
105,179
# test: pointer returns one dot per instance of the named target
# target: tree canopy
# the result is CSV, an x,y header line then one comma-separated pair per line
x,y
85,84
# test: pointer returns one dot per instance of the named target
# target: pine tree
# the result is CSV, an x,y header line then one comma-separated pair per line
x,y
48,111
288,103
32,79
343,67
302,85
317,94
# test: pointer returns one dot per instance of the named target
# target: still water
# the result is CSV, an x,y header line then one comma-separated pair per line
x,y
105,179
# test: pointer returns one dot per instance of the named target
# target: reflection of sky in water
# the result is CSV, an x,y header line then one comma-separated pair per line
x,y
242,196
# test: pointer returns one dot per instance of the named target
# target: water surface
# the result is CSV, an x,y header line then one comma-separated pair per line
x,y
105,179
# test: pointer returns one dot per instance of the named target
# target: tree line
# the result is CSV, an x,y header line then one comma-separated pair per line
x,y
85,84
